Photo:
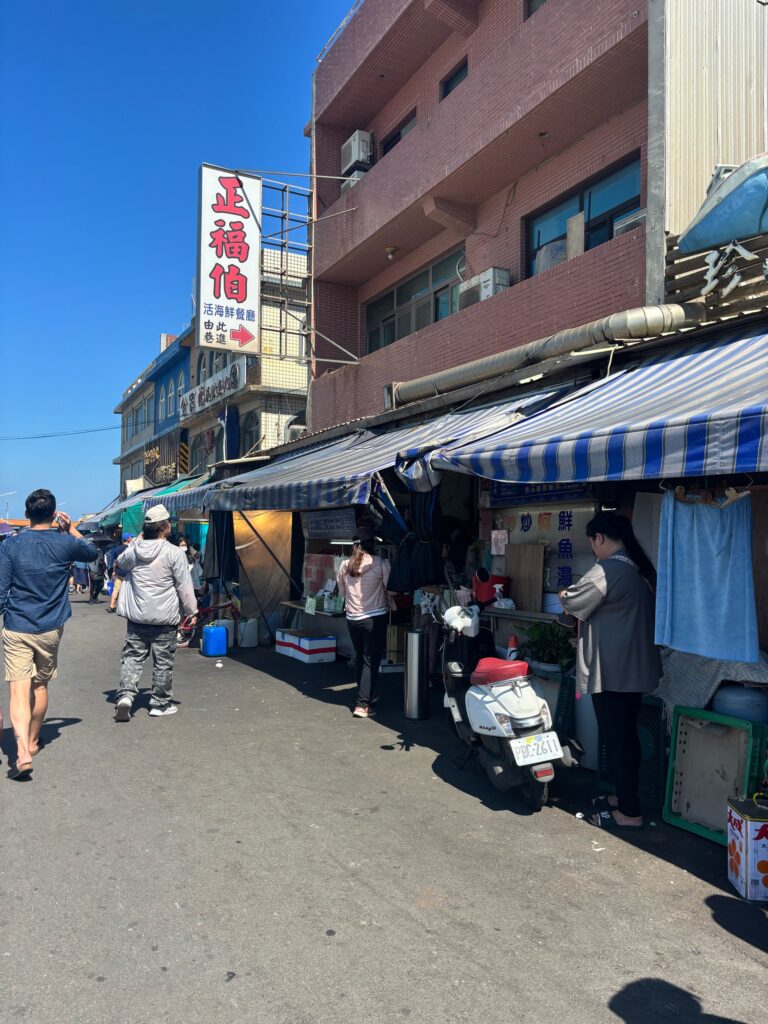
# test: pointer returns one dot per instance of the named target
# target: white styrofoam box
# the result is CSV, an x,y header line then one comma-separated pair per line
x,y
285,642
313,650
748,849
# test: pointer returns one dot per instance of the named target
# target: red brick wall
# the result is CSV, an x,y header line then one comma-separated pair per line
x,y
515,67
499,238
595,284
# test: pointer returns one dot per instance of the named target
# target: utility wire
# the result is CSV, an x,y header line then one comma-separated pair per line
x,y
61,433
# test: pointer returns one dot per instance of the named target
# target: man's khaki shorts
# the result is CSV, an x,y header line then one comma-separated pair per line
x,y
117,584
31,655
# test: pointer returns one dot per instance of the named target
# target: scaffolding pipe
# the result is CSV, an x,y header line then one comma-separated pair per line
x,y
643,322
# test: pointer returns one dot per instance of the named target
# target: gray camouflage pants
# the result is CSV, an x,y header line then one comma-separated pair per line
x,y
140,641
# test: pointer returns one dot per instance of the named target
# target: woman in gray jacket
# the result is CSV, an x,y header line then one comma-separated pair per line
x,y
617,660
156,591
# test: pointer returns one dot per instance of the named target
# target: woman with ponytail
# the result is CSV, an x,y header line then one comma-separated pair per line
x,y
617,660
362,581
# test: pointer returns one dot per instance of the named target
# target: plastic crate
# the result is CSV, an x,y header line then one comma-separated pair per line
x,y
653,746
709,766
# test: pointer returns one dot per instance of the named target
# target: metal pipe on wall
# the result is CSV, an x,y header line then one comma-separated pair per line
x,y
643,322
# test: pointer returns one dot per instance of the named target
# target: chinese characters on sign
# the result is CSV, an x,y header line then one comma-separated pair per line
x,y
229,254
220,385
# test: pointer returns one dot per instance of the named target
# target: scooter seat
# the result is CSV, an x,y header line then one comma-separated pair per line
x,y
497,670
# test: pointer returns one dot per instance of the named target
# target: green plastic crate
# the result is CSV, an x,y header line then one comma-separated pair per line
x,y
685,738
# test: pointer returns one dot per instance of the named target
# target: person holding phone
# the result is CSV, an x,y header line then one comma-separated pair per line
x,y
35,569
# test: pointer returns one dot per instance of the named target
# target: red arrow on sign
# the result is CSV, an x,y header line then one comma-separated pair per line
x,y
242,335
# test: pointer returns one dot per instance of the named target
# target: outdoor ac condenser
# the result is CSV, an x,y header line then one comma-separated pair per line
x,y
357,152
352,180
483,286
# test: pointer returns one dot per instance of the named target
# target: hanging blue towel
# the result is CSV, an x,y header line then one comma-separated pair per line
x,y
705,602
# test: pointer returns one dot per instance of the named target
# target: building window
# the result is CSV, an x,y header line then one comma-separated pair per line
x,y
197,456
455,78
171,398
533,6
415,303
398,134
161,405
603,202
180,388
140,420
219,449
250,432
202,368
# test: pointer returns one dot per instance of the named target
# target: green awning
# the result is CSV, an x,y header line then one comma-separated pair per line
x,y
131,511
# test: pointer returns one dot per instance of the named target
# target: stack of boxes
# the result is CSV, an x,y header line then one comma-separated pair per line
x,y
311,650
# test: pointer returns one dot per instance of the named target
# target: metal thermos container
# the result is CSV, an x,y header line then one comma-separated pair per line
x,y
416,694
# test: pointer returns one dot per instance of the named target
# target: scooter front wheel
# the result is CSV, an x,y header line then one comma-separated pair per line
x,y
535,794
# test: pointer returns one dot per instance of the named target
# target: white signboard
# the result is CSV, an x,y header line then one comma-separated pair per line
x,y
217,387
228,260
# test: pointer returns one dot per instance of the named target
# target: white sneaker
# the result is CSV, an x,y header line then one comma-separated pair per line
x,y
161,712
123,710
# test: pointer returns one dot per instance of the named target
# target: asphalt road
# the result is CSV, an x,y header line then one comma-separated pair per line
x,y
264,857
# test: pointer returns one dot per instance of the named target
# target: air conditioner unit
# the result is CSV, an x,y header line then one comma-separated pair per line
x,y
357,151
628,222
352,180
483,286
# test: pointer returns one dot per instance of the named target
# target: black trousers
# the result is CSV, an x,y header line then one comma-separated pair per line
x,y
617,715
97,584
369,638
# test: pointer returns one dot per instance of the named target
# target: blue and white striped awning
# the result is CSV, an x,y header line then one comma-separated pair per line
x,y
700,410
346,472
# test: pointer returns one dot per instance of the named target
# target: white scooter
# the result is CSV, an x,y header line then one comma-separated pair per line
x,y
497,713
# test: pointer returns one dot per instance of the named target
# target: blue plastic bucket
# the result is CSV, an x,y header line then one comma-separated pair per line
x,y
214,643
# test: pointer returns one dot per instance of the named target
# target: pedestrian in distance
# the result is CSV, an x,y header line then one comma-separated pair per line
x,y
156,591
617,660
362,582
117,580
34,578
96,572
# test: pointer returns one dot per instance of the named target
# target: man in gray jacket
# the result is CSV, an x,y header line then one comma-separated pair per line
x,y
157,589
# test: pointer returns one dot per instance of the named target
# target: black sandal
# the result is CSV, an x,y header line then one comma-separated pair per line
x,y
606,820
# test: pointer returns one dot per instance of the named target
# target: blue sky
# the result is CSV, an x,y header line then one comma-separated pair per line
x,y
107,110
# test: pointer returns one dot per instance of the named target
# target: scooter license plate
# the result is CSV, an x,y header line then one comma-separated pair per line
x,y
542,746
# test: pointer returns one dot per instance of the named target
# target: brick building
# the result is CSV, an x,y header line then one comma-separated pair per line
x,y
556,142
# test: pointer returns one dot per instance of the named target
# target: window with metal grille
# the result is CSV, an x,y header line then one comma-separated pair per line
x,y
416,302
171,398
250,432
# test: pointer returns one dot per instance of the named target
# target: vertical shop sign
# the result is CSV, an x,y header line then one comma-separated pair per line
x,y
228,261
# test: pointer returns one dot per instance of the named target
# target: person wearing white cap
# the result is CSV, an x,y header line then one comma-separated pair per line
x,y
157,590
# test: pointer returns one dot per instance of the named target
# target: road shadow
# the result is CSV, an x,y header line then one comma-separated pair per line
x,y
747,921
141,700
652,999
571,791
48,734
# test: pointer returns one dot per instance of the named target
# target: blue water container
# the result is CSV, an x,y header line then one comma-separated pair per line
x,y
746,702
214,641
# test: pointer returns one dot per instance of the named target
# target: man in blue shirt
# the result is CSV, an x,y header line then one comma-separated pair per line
x,y
34,579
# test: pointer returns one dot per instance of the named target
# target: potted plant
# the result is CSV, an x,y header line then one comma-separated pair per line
x,y
547,648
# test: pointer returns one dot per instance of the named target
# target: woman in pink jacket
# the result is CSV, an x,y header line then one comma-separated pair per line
x,y
362,581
